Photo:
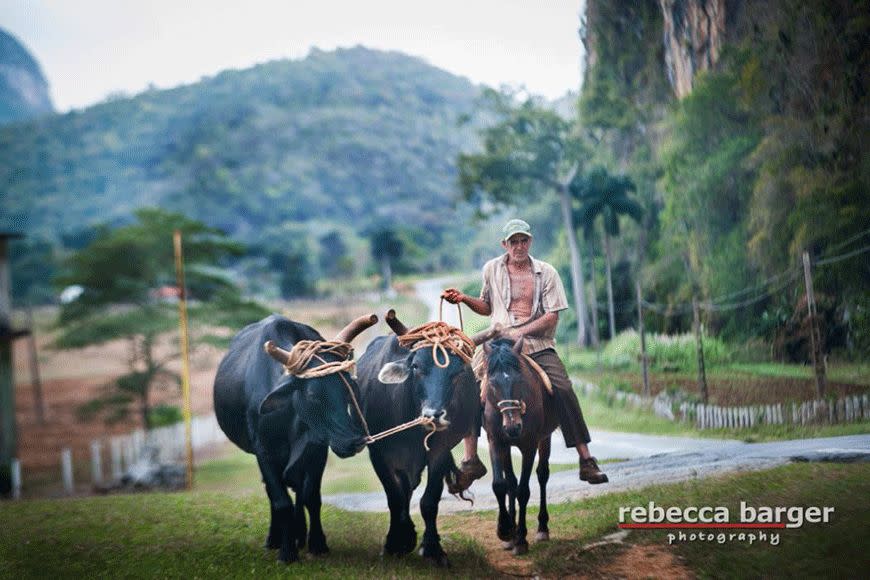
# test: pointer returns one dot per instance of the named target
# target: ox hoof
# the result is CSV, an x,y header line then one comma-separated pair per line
x,y
542,537
436,556
318,548
507,545
271,544
521,549
506,534
288,558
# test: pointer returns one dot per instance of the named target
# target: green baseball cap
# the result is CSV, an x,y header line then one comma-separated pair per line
x,y
514,227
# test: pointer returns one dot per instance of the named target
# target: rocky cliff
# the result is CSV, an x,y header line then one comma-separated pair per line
x,y
693,34
23,88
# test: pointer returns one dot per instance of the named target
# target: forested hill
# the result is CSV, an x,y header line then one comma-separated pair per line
x,y
352,136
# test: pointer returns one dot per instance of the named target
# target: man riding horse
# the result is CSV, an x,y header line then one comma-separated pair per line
x,y
525,296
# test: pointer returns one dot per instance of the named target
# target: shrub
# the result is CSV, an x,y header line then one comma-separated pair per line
x,y
677,352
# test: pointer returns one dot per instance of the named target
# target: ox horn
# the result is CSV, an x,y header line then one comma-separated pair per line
x,y
352,330
488,334
276,352
394,323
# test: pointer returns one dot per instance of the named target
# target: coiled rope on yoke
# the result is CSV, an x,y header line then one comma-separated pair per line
x,y
441,337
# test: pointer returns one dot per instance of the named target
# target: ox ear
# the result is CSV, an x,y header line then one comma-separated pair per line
x,y
395,372
280,397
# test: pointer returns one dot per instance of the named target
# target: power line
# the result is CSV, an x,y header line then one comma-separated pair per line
x,y
842,257
849,241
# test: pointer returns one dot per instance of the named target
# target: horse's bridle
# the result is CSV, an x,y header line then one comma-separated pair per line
x,y
507,405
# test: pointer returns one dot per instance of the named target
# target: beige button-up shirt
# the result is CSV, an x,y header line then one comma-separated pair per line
x,y
549,296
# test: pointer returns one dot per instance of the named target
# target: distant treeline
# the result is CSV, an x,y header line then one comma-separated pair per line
x,y
301,160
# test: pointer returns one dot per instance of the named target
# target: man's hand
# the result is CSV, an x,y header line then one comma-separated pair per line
x,y
453,296
513,334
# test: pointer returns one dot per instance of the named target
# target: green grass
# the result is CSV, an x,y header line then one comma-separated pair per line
x,y
219,535
814,551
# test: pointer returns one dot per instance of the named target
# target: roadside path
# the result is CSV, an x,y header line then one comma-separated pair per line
x,y
719,458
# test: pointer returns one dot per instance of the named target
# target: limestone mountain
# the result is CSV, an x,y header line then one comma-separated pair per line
x,y
23,88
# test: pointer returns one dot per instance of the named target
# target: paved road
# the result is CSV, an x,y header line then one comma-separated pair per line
x,y
713,458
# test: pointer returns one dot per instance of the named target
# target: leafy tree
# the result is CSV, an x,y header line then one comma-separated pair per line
x,y
605,195
334,259
122,272
528,151
387,247
294,270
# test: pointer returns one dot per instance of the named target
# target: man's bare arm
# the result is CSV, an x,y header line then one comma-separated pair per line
x,y
454,296
538,327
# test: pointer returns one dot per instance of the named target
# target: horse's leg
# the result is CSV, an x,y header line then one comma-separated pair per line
x,y
499,455
521,546
543,476
311,497
431,547
281,526
511,489
401,537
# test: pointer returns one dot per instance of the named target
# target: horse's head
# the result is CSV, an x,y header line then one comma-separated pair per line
x,y
505,380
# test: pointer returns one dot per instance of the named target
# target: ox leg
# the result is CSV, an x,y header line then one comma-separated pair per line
x,y
543,472
499,455
312,501
402,535
431,547
521,545
281,526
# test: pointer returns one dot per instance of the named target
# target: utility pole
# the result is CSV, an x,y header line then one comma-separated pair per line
x,y
640,330
8,433
185,355
815,333
702,373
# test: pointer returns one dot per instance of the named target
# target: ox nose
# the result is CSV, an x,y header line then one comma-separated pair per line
x,y
431,413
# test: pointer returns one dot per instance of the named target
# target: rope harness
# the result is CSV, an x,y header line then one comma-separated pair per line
x,y
440,336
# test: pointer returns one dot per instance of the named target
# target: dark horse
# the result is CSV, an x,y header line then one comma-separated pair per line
x,y
518,413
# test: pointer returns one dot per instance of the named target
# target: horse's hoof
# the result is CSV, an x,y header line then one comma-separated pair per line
x,y
507,545
521,549
542,537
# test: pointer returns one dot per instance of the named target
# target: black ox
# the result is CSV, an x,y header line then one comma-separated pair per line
x,y
399,385
288,422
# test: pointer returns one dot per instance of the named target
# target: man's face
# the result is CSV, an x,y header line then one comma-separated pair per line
x,y
517,246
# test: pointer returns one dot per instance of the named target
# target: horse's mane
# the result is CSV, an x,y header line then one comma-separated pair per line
x,y
502,357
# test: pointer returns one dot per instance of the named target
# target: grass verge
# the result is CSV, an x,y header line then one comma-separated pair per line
x,y
211,535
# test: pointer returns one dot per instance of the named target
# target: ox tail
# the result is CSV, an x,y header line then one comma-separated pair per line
x,y
450,476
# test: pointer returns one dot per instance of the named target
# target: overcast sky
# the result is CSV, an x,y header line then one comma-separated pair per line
x,y
89,49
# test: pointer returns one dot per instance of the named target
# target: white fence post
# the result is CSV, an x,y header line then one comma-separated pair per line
x,y
16,479
96,463
67,470
117,468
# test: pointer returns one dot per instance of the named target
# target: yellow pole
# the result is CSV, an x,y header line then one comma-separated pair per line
x,y
185,358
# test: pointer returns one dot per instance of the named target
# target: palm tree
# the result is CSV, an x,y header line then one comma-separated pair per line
x,y
600,193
